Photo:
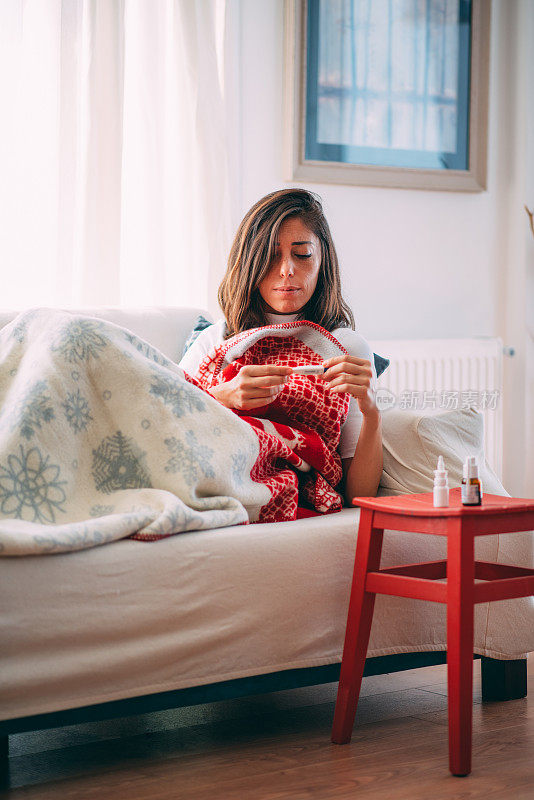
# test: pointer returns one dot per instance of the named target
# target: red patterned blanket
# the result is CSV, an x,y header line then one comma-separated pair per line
x,y
299,430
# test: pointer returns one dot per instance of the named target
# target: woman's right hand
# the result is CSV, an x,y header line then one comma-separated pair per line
x,y
255,385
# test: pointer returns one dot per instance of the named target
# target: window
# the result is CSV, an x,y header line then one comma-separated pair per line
x,y
388,92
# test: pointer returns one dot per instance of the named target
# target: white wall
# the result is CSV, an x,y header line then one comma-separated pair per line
x,y
528,258
513,129
418,263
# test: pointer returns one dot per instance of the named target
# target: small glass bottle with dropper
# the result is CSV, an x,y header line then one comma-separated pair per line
x,y
471,486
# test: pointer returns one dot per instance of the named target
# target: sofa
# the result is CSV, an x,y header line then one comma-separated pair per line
x,y
133,626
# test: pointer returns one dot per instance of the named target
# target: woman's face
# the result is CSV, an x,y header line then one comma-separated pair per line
x,y
294,270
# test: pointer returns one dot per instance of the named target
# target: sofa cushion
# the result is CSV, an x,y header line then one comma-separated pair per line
x,y
412,443
200,324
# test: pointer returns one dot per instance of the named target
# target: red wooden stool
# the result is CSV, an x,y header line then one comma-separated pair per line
x,y
460,524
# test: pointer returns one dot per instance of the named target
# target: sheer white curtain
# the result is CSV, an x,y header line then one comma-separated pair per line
x,y
114,152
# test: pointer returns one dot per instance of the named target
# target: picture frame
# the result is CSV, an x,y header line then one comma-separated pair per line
x,y
318,166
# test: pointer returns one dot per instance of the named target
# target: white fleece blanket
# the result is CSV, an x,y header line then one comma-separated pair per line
x,y
102,437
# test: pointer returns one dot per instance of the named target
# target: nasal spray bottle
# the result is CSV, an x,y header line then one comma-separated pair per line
x,y
471,486
441,485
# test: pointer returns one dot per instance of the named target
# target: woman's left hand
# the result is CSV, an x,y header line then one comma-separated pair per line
x,y
352,375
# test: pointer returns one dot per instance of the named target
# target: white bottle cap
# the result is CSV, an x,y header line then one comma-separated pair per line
x,y
441,486
472,467
440,474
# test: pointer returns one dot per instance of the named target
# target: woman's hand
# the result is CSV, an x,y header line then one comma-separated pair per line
x,y
354,376
254,385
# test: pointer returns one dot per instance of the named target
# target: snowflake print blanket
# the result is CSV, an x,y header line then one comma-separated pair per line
x,y
299,431
102,437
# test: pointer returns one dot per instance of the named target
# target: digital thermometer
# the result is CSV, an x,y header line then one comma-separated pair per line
x,y
309,369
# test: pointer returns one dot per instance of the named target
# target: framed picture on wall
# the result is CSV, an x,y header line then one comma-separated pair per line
x,y
387,92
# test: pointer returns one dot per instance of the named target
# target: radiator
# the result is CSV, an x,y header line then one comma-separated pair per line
x,y
435,375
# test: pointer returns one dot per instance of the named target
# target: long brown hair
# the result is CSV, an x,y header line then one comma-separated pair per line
x,y
253,250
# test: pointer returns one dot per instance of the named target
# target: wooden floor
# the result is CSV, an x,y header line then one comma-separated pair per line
x,y
277,746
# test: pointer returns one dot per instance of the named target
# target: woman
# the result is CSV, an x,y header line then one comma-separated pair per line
x,y
282,267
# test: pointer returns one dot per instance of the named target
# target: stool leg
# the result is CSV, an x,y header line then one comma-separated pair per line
x,y
460,631
360,616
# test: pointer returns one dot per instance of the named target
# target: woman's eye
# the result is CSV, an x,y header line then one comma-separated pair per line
x,y
301,256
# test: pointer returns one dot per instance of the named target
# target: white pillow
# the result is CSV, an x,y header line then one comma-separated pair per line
x,y
413,441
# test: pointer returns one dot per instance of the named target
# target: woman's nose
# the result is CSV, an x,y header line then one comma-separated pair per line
x,y
287,267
